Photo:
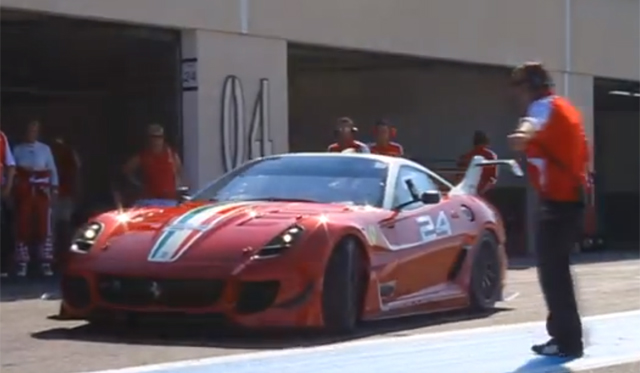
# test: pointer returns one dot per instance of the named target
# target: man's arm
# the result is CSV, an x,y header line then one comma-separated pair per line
x,y
537,118
178,169
50,164
10,168
130,168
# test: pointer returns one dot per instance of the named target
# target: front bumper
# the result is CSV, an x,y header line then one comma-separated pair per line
x,y
255,298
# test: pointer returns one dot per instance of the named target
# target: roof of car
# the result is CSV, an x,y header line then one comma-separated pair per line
x,y
375,157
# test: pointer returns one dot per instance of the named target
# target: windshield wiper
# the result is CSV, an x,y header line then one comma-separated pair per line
x,y
275,199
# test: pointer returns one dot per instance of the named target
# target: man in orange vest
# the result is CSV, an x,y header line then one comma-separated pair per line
x,y
481,147
159,166
7,172
385,132
68,165
553,138
35,188
345,131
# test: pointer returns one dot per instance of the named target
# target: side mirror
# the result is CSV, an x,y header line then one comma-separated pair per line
x,y
431,197
182,194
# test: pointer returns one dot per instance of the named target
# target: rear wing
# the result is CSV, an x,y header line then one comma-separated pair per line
x,y
469,184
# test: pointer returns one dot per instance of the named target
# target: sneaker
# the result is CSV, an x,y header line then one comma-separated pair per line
x,y
552,348
46,270
21,270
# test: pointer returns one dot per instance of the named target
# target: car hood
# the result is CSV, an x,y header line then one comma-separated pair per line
x,y
209,232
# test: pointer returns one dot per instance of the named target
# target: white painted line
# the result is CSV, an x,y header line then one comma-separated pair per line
x,y
458,339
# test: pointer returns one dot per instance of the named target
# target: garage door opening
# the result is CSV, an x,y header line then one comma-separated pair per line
x,y
435,105
97,85
617,159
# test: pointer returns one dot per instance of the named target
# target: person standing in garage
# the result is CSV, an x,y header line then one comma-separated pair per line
x,y
160,168
68,165
481,148
553,138
7,172
35,188
385,132
345,132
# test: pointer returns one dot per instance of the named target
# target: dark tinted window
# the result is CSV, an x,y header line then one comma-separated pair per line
x,y
318,178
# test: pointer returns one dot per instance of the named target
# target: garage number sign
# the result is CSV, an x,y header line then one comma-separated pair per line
x,y
189,74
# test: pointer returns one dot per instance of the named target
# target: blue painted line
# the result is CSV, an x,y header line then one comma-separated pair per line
x,y
501,349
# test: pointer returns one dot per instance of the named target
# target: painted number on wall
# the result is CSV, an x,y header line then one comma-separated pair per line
x,y
237,146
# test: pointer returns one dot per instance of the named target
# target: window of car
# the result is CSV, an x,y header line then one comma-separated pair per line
x,y
323,179
421,180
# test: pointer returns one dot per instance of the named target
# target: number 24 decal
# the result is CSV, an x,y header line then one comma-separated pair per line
x,y
430,231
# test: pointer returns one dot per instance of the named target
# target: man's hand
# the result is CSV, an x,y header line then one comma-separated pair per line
x,y
518,140
6,190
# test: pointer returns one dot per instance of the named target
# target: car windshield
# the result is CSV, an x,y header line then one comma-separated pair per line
x,y
322,179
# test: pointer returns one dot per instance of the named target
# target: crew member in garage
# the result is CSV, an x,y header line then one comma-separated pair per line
x,y
7,172
553,138
385,132
35,188
345,132
68,166
489,175
159,167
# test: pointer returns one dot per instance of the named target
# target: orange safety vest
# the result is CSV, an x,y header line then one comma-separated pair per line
x,y
392,149
356,145
158,173
558,154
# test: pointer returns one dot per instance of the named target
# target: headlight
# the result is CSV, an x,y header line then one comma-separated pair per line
x,y
281,242
86,237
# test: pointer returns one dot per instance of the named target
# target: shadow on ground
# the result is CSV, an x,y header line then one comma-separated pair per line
x,y
581,258
545,365
195,335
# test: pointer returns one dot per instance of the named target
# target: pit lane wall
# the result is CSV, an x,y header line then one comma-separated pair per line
x,y
248,39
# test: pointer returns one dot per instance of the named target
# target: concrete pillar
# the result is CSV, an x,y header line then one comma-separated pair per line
x,y
239,109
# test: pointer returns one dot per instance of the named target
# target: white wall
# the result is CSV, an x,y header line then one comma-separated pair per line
x,y
250,59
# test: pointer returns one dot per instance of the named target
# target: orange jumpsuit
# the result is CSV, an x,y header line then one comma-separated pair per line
x,y
159,174
392,149
36,176
489,174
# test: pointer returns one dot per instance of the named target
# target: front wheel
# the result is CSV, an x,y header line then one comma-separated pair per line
x,y
343,288
486,274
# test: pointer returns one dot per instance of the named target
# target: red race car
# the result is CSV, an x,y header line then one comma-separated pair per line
x,y
297,240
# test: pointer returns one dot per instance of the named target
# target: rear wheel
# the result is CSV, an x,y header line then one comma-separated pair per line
x,y
343,288
486,272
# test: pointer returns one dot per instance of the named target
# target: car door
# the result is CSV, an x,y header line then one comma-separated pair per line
x,y
425,244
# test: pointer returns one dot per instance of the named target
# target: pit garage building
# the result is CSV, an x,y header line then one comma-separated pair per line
x,y
234,79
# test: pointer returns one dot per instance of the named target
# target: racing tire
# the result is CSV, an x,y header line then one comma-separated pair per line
x,y
485,285
343,288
